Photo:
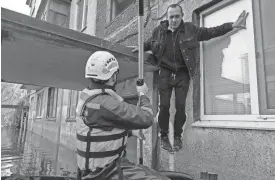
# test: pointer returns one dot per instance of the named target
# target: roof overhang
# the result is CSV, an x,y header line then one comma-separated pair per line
x,y
38,53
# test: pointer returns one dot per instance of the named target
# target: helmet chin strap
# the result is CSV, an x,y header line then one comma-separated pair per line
x,y
115,80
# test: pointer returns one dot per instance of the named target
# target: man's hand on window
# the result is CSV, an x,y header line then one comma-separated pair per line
x,y
240,23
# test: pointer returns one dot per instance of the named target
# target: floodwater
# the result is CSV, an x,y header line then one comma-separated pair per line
x,y
29,154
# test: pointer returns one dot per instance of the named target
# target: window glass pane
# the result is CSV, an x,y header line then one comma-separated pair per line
x,y
49,108
52,102
79,14
58,19
60,7
39,104
226,64
85,15
268,29
73,95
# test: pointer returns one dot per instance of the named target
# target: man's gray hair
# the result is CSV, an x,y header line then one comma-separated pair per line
x,y
174,6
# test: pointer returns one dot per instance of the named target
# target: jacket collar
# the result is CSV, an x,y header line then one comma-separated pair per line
x,y
165,24
100,86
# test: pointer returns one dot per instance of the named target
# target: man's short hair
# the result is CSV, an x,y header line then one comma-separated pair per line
x,y
174,6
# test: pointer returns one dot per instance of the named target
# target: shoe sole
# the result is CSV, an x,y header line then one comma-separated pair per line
x,y
176,149
168,150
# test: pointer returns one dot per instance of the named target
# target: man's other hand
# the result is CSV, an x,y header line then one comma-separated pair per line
x,y
139,134
241,21
134,48
142,89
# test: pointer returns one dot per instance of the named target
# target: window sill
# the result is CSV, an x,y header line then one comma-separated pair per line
x,y
70,119
252,125
51,119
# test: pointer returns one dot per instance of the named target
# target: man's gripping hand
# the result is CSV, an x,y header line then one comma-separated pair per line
x,y
142,90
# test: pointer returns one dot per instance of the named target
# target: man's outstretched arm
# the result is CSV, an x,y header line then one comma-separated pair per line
x,y
204,33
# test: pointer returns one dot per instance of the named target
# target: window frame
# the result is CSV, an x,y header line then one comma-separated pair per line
x,y
255,120
260,60
84,19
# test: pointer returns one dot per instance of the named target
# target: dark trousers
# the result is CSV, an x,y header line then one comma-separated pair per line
x,y
168,81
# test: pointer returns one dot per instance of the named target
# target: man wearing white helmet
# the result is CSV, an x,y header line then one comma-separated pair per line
x,y
104,121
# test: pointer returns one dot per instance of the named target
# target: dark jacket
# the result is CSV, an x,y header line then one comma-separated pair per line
x,y
190,35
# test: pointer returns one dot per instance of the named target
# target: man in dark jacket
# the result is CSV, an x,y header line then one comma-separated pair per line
x,y
173,44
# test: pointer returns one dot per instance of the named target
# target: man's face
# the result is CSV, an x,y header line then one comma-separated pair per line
x,y
174,17
114,78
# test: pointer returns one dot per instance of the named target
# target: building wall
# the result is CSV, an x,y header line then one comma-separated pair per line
x,y
233,154
44,126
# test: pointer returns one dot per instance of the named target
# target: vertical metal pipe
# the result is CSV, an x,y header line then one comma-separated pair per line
x,y
141,39
140,62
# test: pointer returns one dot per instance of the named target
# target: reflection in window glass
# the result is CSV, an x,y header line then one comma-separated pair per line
x,y
226,65
268,29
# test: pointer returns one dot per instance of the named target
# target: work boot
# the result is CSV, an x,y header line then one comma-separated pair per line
x,y
165,144
177,143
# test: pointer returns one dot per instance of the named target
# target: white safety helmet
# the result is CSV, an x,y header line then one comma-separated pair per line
x,y
101,65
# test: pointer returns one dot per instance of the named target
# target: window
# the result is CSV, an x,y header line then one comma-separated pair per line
x,y
58,13
39,105
82,10
73,99
58,19
230,69
117,6
52,102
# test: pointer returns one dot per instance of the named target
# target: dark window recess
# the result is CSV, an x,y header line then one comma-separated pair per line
x,y
117,6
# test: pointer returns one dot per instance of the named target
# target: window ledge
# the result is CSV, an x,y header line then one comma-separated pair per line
x,y
253,125
70,119
51,119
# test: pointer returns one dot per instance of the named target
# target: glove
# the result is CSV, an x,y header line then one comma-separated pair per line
x,y
142,90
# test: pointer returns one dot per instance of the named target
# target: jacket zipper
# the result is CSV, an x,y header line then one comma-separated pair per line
x,y
174,43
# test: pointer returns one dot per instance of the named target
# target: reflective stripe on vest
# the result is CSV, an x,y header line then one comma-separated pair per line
x,y
96,147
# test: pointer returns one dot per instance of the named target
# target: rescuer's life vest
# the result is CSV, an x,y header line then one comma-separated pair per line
x,y
97,147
